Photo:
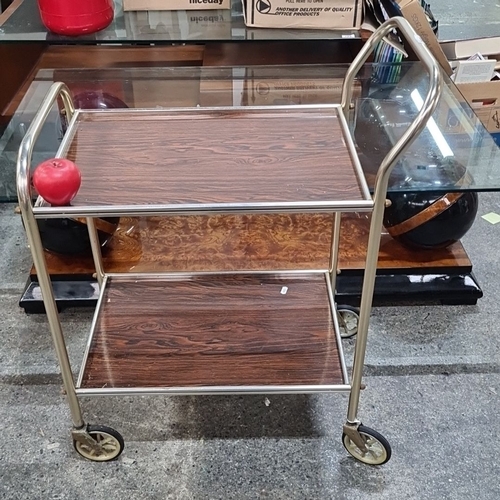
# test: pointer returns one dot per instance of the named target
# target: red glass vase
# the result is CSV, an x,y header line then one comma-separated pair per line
x,y
76,17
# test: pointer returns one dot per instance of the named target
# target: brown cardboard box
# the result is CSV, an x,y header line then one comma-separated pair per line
x,y
151,93
462,49
187,24
484,98
259,90
412,11
324,14
260,86
175,4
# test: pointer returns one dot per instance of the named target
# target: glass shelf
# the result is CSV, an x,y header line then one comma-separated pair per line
x,y
454,153
160,26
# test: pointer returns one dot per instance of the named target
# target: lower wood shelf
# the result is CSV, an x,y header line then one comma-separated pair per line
x,y
214,331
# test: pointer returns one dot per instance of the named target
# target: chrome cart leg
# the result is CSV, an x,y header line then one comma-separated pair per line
x,y
334,251
96,443
96,250
53,317
365,309
363,443
23,176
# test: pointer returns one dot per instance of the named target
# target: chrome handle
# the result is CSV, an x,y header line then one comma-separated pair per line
x,y
430,102
57,90
382,180
24,194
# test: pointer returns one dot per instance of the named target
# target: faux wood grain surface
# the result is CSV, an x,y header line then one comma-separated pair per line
x,y
17,61
120,56
281,52
253,242
203,243
200,158
236,330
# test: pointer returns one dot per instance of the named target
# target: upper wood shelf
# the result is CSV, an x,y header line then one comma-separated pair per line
x,y
225,159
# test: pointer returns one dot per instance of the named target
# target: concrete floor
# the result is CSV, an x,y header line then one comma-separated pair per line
x,y
462,19
433,391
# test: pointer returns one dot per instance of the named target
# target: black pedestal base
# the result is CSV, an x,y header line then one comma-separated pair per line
x,y
390,289
401,289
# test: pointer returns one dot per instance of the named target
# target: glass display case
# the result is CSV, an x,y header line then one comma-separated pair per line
x,y
454,155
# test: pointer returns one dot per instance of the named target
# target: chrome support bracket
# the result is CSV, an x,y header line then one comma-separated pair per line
x,y
350,429
82,436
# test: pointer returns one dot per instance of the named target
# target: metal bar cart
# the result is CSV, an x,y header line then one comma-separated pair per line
x,y
229,332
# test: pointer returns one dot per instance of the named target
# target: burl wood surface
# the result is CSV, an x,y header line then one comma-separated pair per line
x,y
236,330
252,242
209,157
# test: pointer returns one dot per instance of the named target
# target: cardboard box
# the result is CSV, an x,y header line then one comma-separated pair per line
x,y
461,49
188,25
457,114
175,4
260,86
413,12
319,14
484,98
290,89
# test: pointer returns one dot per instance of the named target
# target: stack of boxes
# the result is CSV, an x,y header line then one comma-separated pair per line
x,y
319,14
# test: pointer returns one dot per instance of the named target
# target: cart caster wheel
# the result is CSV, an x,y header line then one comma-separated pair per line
x,y
110,442
348,318
378,448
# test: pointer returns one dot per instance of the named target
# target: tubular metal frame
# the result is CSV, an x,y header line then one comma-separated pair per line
x,y
377,205
24,194
382,179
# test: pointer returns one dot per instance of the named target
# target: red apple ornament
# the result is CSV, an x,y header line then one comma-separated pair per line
x,y
57,180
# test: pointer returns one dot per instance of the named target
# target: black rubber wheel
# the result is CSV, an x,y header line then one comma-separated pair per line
x,y
348,318
110,440
378,448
